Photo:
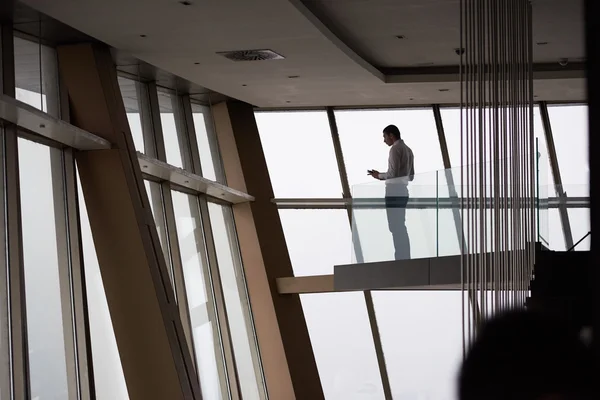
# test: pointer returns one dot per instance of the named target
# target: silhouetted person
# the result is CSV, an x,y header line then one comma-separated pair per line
x,y
524,355
400,171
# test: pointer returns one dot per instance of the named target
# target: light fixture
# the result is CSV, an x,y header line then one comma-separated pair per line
x,y
443,90
143,36
294,76
185,3
400,37
42,126
542,43
244,84
196,63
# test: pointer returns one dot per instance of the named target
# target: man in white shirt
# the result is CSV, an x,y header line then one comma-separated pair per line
x,y
400,171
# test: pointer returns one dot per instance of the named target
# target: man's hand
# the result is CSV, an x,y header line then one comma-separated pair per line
x,y
373,173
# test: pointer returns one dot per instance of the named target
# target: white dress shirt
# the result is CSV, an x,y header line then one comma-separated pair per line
x,y
400,164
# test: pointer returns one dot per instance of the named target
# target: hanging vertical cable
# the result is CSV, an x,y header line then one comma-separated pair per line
x,y
497,157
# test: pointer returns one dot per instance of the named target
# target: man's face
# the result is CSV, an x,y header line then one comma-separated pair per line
x,y
388,139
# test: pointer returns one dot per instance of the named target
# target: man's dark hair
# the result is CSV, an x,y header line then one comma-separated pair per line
x,y
522,355
392,130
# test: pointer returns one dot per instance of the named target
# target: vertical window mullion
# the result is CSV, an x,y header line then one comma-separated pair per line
x,y
57,165
217,290
79,299
16,334
190,133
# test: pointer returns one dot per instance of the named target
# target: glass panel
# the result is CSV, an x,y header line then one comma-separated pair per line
x,y
421,335
209,360
154,192
170,118
579,218
36,76
451,121
207,146
299,154
131,91
403,229
340,333
361,136
236,302
570,132
47,292
109,379
317,240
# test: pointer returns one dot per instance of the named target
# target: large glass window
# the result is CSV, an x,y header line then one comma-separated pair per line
x,y
421,335
109,379
132,93
342,342
207,146
236,302
451,121
361,136
154,192
36,76
47,293
570,132
317,240
173,132
299,153
207,345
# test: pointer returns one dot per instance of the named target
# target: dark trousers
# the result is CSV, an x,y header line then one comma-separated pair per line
x,y
396,216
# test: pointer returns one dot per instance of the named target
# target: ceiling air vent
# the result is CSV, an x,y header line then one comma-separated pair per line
x,y
251,55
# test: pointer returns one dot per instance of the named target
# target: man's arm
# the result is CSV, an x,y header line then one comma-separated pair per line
x,y
411,175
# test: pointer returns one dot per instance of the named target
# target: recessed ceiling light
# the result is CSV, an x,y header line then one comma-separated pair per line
x,y
294,76
288,101
185,3
542,43
196,63
444,90
400,37
411,99
142,35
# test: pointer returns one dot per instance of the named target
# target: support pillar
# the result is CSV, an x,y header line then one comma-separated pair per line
x,y
288,361
156,359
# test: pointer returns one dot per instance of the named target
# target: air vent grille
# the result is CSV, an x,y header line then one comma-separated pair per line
x,y
251,55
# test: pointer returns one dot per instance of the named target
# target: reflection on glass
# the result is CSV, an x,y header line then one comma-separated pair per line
x,y
342,342
49,334
305,233
299,153
172,132
207,146
132,91
421,335
109,379
236,302
154,192
36,79
361,136
209,360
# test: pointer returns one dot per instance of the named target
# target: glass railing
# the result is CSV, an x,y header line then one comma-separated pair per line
x,y
572,202
426,217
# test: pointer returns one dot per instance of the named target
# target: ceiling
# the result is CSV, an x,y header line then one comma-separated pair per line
x,y
338,52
